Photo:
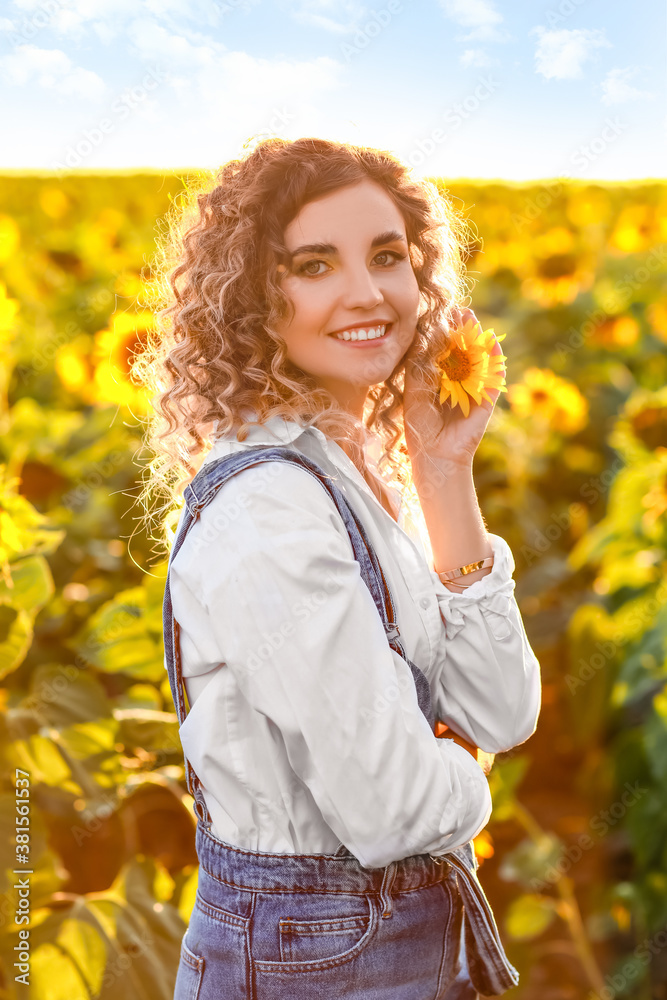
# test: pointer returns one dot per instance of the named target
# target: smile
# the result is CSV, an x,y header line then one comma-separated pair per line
x,y
363,336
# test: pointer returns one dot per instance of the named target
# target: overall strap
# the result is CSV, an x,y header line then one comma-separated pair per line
x,y
199,493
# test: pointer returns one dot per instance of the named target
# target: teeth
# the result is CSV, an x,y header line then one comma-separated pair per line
x,y
372,333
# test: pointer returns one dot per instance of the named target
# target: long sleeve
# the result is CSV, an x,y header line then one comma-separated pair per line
x,y
297,626
489,687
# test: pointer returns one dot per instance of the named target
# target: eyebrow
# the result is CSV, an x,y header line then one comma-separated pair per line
x,y
390,236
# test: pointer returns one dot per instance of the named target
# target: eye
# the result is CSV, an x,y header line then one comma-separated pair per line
x,y
396,257
302,268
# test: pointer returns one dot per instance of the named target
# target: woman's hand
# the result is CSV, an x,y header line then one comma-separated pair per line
x,y
437,431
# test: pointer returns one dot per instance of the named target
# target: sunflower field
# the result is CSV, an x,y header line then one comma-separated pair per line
x,y
98,859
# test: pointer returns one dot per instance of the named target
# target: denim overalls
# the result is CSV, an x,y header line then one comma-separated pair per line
x,y
321,926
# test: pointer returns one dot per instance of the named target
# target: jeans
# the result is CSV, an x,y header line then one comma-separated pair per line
x,y
321,927
311,926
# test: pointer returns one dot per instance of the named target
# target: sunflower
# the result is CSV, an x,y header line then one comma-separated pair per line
x,y
638,228
113,355
617,331
545,396
557,269
467,367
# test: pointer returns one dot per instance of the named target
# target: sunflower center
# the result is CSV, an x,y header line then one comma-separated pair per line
x,y
127,349
559,265
456,365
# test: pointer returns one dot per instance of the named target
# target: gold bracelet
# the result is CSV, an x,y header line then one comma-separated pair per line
x,y
451,574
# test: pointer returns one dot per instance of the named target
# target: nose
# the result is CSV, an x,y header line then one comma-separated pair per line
x,y
361,289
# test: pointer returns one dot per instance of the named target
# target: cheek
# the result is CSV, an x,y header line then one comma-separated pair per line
x,y
412,300
308,305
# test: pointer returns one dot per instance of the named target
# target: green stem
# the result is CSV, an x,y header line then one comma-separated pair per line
x,y
572,917
569,909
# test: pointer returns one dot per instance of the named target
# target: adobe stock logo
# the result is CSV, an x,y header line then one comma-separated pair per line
x,y
362,38
121,108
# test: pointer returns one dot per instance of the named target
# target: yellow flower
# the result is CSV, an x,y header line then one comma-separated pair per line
x,y
113,356
8,310
617,331
657,317
54,202
75,367
554,400
468,368
558,278
637,228
655,502
9,238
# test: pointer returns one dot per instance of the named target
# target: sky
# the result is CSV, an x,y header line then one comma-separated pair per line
x,y
504,89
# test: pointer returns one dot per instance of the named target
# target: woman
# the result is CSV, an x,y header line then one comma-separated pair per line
x,y
317,611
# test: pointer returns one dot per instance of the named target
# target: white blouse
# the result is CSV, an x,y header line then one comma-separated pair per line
x,y
304,728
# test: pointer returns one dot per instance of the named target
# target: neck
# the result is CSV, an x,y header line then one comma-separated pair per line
x,y
355,452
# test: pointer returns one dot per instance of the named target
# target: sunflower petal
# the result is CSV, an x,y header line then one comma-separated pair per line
x,y
462,397
473,390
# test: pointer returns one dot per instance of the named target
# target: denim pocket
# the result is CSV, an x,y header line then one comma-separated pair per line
x,y
320,931
310,940
189,975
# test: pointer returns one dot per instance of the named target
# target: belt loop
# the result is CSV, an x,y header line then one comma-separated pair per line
x,y
199,808
385,890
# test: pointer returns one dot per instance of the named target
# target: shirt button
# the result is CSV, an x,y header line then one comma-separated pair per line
x,y
425,601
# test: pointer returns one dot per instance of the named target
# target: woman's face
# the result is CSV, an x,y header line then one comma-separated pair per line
x,y
349,270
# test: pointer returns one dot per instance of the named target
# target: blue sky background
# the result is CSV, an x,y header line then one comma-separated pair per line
x,y
458,88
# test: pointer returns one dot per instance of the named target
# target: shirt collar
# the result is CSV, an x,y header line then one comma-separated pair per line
x,y
276,430
281,430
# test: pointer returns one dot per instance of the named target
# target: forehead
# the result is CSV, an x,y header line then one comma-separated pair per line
x,y
364,209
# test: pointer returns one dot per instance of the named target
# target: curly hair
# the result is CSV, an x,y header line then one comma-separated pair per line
x,y
214,353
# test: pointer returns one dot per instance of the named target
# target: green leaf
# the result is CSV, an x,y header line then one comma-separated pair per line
x,y
9,855
86,739
118,944
32,584
54,974
528,916
124,636
534,864
150,730
23,529
40,756
503,781
15,638
140,696
63,695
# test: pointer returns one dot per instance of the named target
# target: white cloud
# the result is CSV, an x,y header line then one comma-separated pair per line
x,y
561,53
472,13
104,32
69,19
476,57
51,69
480,16
616,88
68,23
260,81
152,41
74,19
337,16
